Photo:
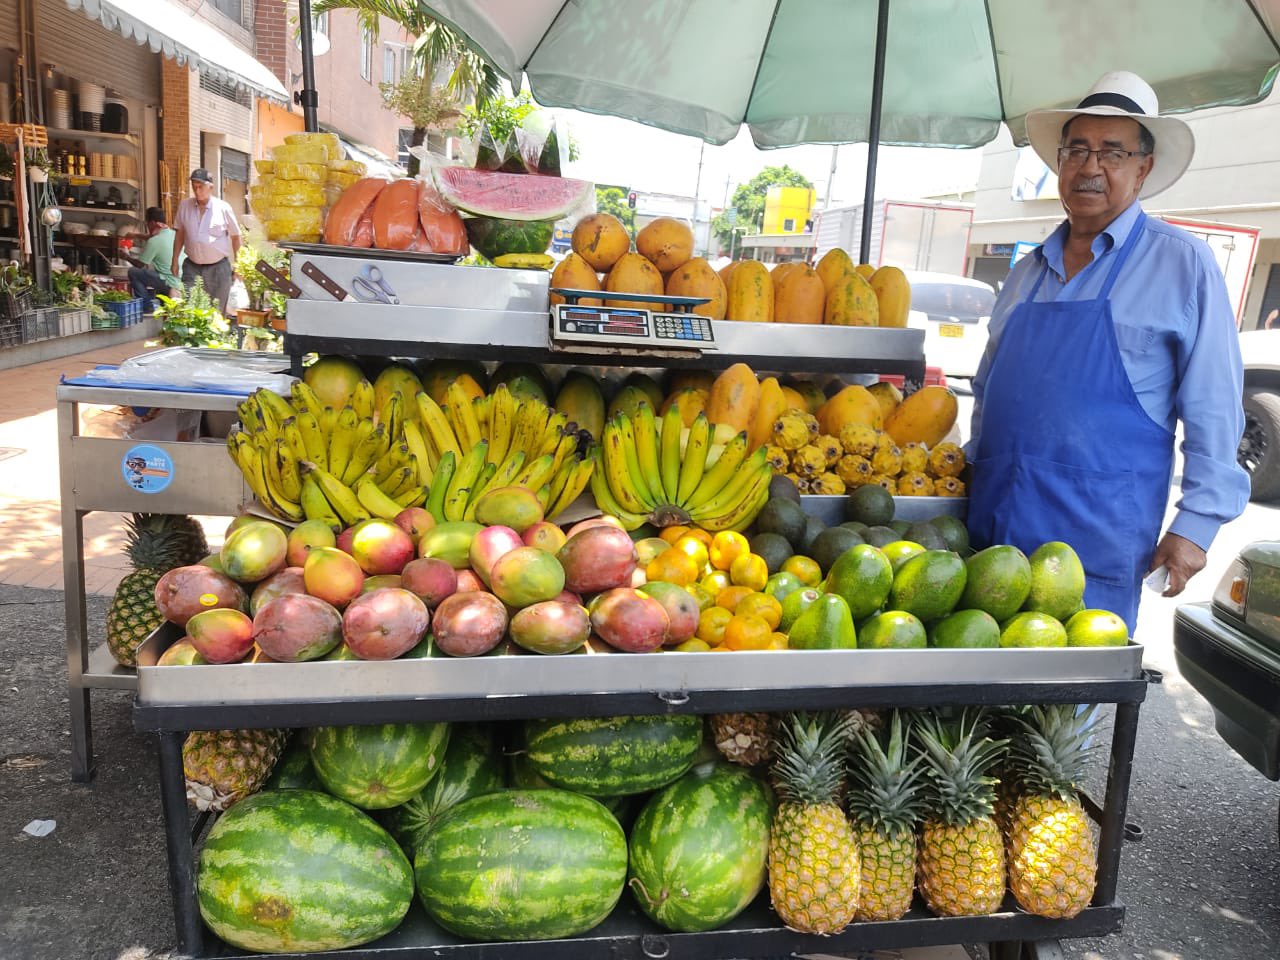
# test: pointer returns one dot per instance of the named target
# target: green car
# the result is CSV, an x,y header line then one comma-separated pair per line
x,y
1229,651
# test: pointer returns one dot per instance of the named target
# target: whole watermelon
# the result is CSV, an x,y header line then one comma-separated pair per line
x,y
379,766
494,237
293,771
472,766
613,756
270,866
522,865
699,848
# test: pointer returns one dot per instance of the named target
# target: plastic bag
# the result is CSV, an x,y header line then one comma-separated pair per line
x,y
229,370
440,224
296,193
300,153
311,172
539,145
497,153
329,141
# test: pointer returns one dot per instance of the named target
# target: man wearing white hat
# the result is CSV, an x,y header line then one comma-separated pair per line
x,y
1102,339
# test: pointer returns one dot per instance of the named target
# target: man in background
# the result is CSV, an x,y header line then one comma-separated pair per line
x,y
150,273
207,232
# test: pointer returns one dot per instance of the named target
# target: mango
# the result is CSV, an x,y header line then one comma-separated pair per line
x,y
450,541
296,627
282,582
469,624
254,552
415,521
514,507
526,576
647,384
438,374
544,535
682,610
305,537
381,547
629,620
222,635
384,624
431,579
334,379
551,627
597,558
184,592
333,576
489,546
181,654
380,581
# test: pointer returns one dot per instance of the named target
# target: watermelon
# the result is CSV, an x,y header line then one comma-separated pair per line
x,y
472,766
298,871
379,766
511,196
699,848
494,237
613,756
522,776
293,771
522,865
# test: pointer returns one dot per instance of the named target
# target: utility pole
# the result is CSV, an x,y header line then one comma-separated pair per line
x,y
835,150
697,190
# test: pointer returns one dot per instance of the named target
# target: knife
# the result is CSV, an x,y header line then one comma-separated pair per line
x,y
327,284
279,281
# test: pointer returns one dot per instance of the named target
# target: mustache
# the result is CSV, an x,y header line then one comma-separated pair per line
x,y
1096,184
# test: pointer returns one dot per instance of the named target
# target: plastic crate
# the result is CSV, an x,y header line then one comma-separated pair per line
x,y
73,321
109,322
10,334
14,305
48,326
129,312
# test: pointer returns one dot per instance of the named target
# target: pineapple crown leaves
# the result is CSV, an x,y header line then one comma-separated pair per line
x,y
957,753
1053,746
885,784
810,757
160,541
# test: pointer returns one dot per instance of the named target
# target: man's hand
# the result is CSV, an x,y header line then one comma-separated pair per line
x,y
1182,558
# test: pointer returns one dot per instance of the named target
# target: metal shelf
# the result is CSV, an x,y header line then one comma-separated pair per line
x,y
76,181
61,133
105,674
116,211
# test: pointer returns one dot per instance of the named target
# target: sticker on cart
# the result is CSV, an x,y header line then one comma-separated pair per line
x,y
147,469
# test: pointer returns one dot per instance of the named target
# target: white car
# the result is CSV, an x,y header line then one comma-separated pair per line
x,y
1259,450
954,312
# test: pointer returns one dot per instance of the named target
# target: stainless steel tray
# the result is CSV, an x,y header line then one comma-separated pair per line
x,y
830,509
669,674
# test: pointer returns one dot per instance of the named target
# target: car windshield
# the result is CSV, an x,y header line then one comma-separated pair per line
x,y
959,300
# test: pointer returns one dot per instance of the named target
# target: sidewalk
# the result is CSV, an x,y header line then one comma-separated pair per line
x,y
29,483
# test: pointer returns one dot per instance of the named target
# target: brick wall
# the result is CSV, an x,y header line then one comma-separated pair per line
x,y
175,84
271,36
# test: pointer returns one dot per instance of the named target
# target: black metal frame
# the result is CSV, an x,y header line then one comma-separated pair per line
x,y
626,933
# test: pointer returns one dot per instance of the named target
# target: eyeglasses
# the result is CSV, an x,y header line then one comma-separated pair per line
x,y
1109,158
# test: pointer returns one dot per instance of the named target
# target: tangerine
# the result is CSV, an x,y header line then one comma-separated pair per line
x,y
761,605
726,547
711,624
749,570
730,597
747,633
805,569
672,566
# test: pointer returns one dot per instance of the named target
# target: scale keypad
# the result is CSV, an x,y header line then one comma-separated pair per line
x,y
682,326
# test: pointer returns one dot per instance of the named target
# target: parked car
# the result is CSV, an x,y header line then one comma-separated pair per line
x,y
1259,450
1229,650
954,312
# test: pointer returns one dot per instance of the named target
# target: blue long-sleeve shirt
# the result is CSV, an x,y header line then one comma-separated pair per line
x,y
1178,343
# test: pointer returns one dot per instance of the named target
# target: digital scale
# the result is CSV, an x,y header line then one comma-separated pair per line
x,y
576,325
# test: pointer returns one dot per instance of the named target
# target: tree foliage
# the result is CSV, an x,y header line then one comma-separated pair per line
x,y
613,200
748,200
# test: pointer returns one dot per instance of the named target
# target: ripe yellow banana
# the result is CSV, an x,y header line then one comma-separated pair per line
x,y
603,492
366,451
510,469
394,459
362,399
328,420
418,447
315,506
464,478
537,472
477,488
564,451
483,407
552,433
415,496
312,439
341,442
579,477
695,459
754,506
433,420
739,515
304,398
531,419
615,470
276,501
458,408
638,479
273,406
646,433
374,500
287,464
341,497
392,415
719,476
501,423
669,453
250,419
406,478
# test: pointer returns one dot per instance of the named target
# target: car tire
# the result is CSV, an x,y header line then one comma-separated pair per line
x,y
1259,451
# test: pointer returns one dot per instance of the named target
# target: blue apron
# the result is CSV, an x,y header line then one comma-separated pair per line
x,y
1066,451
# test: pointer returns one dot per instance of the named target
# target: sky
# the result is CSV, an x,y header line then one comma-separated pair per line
x,y
629,154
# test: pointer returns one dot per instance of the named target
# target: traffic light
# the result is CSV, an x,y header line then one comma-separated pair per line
x,y
631,199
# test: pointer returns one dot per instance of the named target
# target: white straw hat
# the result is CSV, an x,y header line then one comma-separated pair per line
x,y
1121,94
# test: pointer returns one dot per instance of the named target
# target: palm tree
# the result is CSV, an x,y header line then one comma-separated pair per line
x,y
437,47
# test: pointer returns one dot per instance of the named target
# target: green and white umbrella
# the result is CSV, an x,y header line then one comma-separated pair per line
x,y
802,71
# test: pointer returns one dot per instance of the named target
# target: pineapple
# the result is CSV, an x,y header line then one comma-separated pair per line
x,y
962,861
743,738
1053,857
156,543
813,853
884,804
225,766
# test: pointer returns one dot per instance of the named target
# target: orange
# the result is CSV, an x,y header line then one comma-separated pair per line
x,y
747,633
700,593
749,570
726,547
694,548
672,566
778,641
730,597
700,534
693,645
805,569
711,625
672,534
761,605
715,581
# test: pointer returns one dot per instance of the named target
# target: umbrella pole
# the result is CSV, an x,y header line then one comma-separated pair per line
x,y
873,130
306,97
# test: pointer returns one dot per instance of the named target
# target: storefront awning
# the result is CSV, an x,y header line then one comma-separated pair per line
x,y
169,29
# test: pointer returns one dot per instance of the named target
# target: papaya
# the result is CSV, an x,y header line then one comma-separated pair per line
x,y
926,416
397,378
628,400
726,271
634,274
695,278
851,405
852,303
648,385
771,405
574,273
601,240
794,399
582,402
813,396
834,265
893,294
888,395
690,401
734,396
695,379
750,293
438,374
781,270
799,297
666,242
865,270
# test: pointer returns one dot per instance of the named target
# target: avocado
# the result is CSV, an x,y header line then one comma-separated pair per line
x,y
863,577
825,625
773,547
953,531
830,544
998,581
879,536
871,504
967,629
1057,581
812,527
929,585
902,526
781,488
784,518
857,526
927,535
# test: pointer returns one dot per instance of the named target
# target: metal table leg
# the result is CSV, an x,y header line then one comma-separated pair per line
x,y
182,861
1114,806
76,627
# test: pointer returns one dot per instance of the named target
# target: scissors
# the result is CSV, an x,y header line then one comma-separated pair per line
x,y
370,287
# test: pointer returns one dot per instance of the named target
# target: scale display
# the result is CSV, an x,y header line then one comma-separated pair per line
x,y
631,327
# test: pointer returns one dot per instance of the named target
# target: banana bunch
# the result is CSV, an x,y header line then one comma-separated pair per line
x,y
645,473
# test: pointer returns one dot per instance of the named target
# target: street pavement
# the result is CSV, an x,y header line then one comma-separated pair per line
x,y
1202,883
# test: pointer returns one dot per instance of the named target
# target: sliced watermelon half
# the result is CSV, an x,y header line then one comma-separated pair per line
x,y
510,196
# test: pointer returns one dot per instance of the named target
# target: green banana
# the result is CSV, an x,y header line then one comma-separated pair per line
x,y
734,491
669,452
477,488
695,459
725,469
314,504
440,485
646,433
577,482
742,507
